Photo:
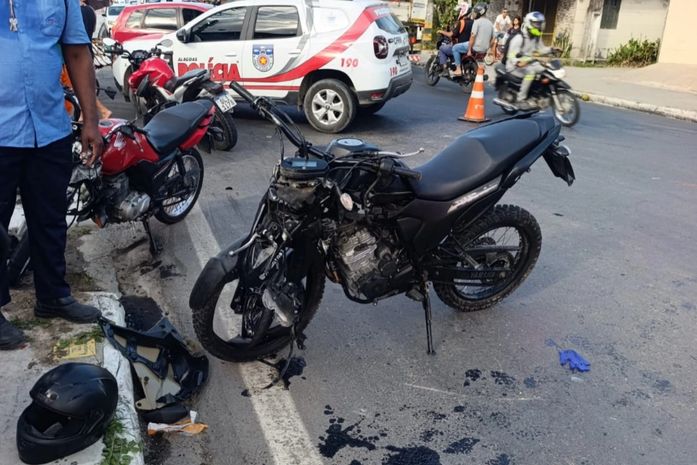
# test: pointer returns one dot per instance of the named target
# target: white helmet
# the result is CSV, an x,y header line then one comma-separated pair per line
x,y
534,23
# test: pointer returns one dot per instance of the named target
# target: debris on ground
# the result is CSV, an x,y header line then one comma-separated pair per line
x,y
187,426
575,361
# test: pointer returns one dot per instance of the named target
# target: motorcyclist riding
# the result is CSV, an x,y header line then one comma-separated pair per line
x,y
522,49
460,33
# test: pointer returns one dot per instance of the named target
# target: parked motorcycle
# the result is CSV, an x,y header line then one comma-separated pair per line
x,y
359,216
153,84
153,171
469,67
549,89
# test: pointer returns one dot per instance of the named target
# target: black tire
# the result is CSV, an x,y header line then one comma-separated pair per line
x,y
338,96
501,216
570,115
370,109
469,73
194,159
18,260
224,122
203,324
432,71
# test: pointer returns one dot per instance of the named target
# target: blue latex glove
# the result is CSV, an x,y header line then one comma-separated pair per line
x,y
575,361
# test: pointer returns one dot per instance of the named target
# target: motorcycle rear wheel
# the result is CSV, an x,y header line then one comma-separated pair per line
x,y
432,71
224,122
482,232
270,339
173,212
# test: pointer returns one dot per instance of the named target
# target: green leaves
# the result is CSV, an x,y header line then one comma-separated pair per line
x,y
118,449
635,53
563,42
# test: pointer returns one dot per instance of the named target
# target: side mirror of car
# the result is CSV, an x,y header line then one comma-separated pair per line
x,y
183,35
165,43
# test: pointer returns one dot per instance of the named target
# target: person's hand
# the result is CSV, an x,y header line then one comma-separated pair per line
x,y
469,53
92,144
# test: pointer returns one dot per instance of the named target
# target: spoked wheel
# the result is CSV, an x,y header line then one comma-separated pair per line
x,y
568,111
507,240
469,74
182,187
432,71
237,322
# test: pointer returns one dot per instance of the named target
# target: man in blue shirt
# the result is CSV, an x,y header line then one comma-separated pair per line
x,y
36,38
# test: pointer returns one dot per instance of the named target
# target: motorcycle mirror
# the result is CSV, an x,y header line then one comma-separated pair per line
x,y
108,42
166,43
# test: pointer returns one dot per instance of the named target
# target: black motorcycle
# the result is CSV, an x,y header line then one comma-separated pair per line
x,y
549,89
360,217
469,67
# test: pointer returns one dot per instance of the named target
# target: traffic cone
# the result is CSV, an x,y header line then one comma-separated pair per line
x,y
475,112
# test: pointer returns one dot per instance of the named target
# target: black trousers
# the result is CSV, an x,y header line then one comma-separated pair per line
x,y
42,175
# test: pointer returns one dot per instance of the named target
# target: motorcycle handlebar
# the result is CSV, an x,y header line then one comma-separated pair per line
x,y
407,173
267,110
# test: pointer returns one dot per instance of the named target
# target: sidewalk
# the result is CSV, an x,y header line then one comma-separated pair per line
x,y
55,342
664,89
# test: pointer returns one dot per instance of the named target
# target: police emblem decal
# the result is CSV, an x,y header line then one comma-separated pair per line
x,y
262,57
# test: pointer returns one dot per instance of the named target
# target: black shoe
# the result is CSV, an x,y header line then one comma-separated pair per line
x,y
67,308
10,337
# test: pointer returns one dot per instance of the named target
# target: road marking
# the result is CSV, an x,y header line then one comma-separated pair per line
x,y
286,436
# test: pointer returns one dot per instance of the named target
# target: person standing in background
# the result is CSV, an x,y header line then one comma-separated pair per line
x,y
89,19
36,38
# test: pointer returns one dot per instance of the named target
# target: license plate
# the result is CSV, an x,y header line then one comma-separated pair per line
x,y
225,102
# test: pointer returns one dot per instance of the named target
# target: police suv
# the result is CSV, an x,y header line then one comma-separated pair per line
x,y
333,58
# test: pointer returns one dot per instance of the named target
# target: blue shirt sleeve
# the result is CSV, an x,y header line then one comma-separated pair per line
x,y
74,30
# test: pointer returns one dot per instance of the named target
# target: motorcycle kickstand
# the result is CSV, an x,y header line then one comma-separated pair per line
x,y
155,246
426,303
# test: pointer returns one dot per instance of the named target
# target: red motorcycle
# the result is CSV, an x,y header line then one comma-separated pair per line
x,y
153,87
153,171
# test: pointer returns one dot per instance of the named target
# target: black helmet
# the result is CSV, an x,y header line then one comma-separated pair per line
x,y
72,406
479,9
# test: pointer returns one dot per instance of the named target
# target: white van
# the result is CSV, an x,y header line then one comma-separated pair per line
x,y
333,58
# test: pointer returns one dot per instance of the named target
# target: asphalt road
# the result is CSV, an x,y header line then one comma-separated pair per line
x,y
616,281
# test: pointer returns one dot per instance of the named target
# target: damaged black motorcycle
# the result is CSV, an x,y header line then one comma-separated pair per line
x,y
360,217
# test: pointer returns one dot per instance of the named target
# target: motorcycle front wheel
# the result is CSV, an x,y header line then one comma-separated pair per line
x,y
183,187
507,227
432,71
234,323
568,111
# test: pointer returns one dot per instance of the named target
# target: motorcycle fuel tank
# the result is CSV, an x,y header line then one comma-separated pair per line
x,y
121,151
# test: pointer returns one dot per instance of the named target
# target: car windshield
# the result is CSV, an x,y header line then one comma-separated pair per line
x,y
114,10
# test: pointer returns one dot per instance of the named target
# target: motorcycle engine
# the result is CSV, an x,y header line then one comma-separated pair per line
x,y
123,204
367,263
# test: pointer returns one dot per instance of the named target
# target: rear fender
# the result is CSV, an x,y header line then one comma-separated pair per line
x,y
219,270
527,161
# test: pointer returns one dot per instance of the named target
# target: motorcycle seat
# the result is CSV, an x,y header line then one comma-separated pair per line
x,y
479,156
178,81
173,125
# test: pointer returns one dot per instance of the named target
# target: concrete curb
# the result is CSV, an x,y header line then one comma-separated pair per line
x,y
113,361
676,113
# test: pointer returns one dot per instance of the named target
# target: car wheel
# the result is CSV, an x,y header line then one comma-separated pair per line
x,y
329,105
